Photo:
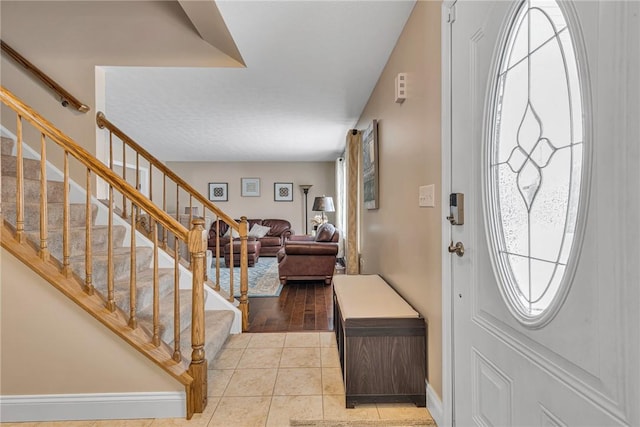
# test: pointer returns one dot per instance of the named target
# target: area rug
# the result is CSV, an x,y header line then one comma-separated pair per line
x,y
263,278
362,423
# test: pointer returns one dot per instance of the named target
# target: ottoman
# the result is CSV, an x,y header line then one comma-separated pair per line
x,y
253,253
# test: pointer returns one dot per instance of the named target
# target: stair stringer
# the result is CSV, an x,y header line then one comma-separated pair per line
x,y
77,194
117,321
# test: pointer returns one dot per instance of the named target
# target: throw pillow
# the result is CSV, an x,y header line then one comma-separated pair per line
x,y
325,233
258,231
231,232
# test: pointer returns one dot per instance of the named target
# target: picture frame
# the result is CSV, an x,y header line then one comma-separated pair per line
x,y
283,191
370,167
219,191
250,187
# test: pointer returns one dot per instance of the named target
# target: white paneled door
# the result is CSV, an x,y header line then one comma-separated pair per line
x,y
545,148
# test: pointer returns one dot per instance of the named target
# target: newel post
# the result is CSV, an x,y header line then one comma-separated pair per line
x,y
244,274
197,241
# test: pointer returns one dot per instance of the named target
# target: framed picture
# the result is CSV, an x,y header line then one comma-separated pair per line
x,y
370,165
283,191
250,187
218,191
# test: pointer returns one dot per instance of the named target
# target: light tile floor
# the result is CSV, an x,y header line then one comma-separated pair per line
x,y
266,380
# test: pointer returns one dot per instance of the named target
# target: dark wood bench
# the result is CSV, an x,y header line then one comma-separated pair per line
x,y
381,342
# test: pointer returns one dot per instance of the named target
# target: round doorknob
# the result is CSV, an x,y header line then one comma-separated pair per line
x,y
457,249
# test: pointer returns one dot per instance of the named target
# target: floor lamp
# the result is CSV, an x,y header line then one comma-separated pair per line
x,y
305,189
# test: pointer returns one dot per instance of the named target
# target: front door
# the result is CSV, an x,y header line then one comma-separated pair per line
x,y
545,149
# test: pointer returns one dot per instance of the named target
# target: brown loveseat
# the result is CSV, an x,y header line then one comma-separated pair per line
x,y
278,231
309,258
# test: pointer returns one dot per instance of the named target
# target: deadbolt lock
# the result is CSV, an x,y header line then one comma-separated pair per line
x,y
456,209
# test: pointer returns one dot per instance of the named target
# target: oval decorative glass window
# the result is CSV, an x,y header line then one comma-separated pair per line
x,y
535,161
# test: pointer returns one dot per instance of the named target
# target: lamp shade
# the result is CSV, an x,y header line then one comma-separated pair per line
x,y
324,204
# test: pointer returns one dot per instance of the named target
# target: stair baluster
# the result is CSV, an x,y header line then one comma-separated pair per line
x,y
133,320
66,223
111,303
124,176
44,250
19,184
244,274
88,264
231,269
177,356
165,234
217,253
156,287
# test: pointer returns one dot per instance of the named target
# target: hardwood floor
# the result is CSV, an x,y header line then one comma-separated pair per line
x,y
301,306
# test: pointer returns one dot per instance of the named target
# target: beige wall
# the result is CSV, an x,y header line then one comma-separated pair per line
x,y
320,174
401,241
52,346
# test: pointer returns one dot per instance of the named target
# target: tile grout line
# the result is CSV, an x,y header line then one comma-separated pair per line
x,y
273,389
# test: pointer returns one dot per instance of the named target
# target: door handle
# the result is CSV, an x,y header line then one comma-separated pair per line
x,y
457,249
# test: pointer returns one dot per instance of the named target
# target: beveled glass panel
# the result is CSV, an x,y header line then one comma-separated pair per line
x,y
574,86
548,216
550,7
513,214
519,48
511,104
550,93
541,275
535,157
520,270
543,29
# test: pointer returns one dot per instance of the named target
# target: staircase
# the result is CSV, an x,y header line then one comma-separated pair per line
x,y
148,293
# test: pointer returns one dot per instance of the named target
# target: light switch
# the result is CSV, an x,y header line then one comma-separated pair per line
x,y
426,196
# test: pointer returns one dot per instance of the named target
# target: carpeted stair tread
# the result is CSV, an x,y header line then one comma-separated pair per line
x,y
77,214
145,318
217,324
144,288
77,239
6,145
30,167
121,263
55,189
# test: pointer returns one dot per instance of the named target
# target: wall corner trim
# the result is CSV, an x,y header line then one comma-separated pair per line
x,y
434,405
93,406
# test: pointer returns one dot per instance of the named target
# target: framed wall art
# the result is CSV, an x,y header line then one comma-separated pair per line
x,y
250,187
370,165
283,191
218,191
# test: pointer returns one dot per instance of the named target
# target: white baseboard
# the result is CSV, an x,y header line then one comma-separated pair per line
x,y
434,405
103,406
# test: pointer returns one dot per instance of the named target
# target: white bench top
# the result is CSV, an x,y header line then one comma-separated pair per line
x,y
369,296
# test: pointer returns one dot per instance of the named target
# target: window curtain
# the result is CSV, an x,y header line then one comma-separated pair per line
x,y
352,159
341,201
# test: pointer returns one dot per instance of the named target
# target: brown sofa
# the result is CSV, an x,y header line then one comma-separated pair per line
x,y
309,258
270,244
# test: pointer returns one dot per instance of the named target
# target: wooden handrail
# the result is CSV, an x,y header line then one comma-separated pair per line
x,y
92,163
103,122
65,97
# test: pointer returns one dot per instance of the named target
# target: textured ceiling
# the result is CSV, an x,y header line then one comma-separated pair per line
x,y
310,69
